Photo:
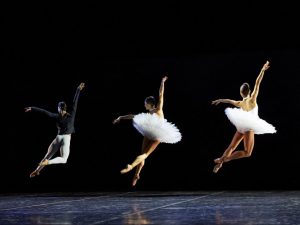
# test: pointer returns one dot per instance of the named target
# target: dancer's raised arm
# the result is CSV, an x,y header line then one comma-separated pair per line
x,y
76,97
258,81
160,103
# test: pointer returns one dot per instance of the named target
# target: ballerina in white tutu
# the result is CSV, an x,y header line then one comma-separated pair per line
x,y
153,127
246,120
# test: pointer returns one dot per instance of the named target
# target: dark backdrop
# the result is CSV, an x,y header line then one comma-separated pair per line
x,y
121,52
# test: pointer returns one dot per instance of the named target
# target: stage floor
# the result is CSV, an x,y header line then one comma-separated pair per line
x,y
201,207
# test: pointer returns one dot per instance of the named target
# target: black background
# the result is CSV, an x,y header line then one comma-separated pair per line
x,y
121,51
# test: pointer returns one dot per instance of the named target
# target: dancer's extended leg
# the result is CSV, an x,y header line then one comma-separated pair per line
x,y
141,165
237,138
149,148
248,148
52,149
64,151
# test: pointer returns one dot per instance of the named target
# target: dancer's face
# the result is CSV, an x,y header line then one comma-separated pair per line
x,y
148,106
60,110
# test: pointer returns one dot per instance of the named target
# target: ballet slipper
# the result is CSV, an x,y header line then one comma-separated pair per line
x,y
127,169
217,167
34,173
135,180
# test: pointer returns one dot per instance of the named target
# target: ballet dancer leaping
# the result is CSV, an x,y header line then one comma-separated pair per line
x,y
246,120
65,126
153,127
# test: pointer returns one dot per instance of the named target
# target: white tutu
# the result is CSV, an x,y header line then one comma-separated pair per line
x,y
245,121
156,128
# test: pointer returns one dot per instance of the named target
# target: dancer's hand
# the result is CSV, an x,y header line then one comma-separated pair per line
x,y
81,86
216,102
27,109
164,78
117,120
266,66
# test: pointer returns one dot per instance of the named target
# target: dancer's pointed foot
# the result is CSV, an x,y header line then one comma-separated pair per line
x,y
218,160
135,180
217,167
45,162
127,169
34,173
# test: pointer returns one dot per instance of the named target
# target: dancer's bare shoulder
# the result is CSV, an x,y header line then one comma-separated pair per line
x,y
158,112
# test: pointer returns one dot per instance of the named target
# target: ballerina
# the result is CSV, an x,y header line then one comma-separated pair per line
x,y
153,127
65,126
246,120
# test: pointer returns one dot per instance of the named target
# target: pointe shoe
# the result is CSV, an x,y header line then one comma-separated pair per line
x,y
217,167
127,169
218,160
34,173
45,162
135,180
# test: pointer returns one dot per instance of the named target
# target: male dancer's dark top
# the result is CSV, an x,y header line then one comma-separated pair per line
x,y
64,124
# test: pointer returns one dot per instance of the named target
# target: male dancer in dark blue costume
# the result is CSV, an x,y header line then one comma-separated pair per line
x,y
65,125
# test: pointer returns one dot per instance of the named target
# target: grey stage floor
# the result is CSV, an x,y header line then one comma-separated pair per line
x,y
202,207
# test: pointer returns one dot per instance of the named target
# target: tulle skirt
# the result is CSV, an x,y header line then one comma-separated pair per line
x,y
245,121
156,128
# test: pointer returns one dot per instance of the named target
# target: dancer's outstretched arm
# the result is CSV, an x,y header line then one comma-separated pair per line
x,y
50,114
126,117
258,81
228,101
160,103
